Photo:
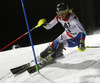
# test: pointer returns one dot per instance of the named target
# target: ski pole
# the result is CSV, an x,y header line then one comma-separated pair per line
x,y
40,22
38,25
92,46
88,47
18,38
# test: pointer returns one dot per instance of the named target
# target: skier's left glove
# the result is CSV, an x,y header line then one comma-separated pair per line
x,y
81,45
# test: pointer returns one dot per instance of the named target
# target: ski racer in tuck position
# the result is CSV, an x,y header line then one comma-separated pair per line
x,y
74,34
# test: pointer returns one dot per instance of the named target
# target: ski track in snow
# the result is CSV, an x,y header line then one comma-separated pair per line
x,y
73,67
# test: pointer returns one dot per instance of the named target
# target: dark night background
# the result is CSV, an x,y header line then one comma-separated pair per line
x,y
13,23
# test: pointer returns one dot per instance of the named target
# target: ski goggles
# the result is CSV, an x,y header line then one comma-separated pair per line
x,y
63,12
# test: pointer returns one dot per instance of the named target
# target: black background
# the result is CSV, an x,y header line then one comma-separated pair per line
x,y
12,24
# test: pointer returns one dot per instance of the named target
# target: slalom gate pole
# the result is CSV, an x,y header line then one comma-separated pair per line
x,y
29,35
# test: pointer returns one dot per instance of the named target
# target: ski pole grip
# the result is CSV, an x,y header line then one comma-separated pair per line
x,y
41,22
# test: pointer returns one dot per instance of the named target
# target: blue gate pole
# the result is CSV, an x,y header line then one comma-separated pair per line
x,y
29,35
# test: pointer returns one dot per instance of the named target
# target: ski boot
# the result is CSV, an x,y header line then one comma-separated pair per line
x,y
48,55
43,55
58,51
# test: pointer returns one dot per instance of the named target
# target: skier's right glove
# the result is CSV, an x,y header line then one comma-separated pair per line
x,y
42,22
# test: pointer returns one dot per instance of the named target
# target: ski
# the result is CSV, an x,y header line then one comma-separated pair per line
x,y
20,69
40,66
23,68
30,67
33,69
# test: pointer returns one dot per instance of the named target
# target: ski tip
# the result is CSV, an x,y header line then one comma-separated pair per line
x,y
20,69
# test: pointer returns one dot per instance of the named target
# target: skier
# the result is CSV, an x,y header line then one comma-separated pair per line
x,y
74,34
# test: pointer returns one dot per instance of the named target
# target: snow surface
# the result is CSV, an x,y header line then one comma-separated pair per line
x,y
74,67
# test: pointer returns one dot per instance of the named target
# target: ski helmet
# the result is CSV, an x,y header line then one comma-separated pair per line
x,y
62,6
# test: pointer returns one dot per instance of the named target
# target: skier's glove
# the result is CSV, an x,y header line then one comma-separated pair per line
x,y
81,45
42,22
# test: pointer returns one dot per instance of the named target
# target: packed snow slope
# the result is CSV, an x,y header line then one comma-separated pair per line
x,y
74,67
